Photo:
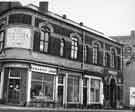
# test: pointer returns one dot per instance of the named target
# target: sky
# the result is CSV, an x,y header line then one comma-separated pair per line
x,y
112,17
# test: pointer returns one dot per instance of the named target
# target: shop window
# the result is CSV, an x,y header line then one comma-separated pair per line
x,y
42,86
1,41
95,91
74,48
62,47
73,89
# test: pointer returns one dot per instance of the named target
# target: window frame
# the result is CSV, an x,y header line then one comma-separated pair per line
x,y
2,40
73,86
44,39
62,45
94,99
43,83
74,48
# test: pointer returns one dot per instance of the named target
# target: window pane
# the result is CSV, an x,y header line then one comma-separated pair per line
x,y
46,47
46,37
37,76
1,46
36,89
1,36
97,94
70,90
42,36
41,45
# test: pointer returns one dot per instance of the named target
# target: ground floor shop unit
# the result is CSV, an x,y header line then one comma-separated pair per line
x,y
42,85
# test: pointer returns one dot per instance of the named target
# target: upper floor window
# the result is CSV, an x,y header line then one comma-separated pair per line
x,y
44,37
127,51
113,54
1,41
20,19
96,46
85,53
62,47
74,48
95,54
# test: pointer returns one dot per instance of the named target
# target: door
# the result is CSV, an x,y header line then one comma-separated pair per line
x,y
60,95
14,91
113,93
84,97
14,83
85,92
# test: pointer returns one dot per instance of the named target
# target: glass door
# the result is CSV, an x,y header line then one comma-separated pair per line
x,y
14,86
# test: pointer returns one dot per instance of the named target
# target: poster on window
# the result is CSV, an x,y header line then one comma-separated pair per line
x,y
18,37
132,96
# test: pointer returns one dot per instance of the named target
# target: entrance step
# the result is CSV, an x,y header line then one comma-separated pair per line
x,y
4,108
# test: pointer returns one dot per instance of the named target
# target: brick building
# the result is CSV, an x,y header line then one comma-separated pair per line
x,y
50,61
128,68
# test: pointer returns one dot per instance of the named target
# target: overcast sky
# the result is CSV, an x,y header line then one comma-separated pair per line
x,y
112,17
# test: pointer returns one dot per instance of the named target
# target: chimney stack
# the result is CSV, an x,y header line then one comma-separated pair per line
x,y
43,6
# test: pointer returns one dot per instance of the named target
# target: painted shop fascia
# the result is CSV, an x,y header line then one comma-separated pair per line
x,y
49,61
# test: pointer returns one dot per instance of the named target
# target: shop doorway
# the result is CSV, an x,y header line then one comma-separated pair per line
x,y
60,96
84,97
60,90
113,93
14,84
85,92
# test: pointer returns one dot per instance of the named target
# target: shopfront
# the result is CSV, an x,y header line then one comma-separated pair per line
x,y
14,83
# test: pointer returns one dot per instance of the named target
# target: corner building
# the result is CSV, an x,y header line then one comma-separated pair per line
x,y
47,60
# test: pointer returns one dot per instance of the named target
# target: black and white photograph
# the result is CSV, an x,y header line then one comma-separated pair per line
x,y
67,55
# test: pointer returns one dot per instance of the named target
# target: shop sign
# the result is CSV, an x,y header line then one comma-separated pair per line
x,y
112,72
18,37
94,68
132,96
42,69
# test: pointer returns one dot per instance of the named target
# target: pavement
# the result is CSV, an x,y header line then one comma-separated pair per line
x,y
7,108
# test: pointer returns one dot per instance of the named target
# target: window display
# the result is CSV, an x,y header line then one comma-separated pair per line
x,y
42,86
95,91
73,89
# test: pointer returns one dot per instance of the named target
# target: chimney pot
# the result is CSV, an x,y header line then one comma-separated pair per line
x,y
64,16
81,23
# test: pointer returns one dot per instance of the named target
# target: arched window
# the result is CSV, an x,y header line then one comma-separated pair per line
x,y
62,44
127,51
85,53
74,48
44,38
1,41
113,54
96,47
95,53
